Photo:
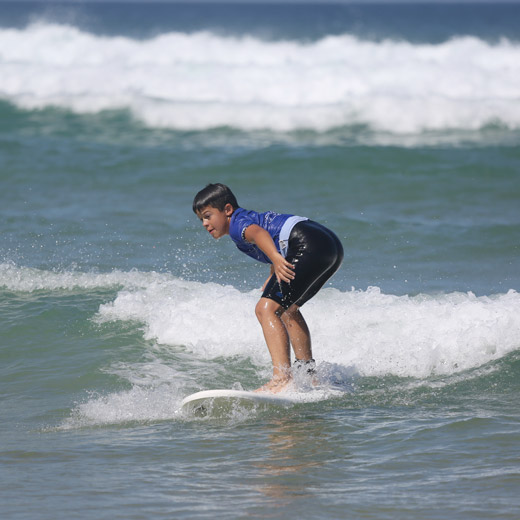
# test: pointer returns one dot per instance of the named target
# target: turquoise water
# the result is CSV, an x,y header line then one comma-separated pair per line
x,y
397,126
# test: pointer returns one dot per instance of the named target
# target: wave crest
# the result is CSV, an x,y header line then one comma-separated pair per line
x,y
201,81
374,333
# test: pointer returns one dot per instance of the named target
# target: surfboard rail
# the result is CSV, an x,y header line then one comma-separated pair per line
x,y
225,400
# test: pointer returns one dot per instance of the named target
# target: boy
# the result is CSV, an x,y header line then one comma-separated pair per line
x,y
303,256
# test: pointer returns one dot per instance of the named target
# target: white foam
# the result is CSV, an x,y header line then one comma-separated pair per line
x,y
414,336
27,279
202,81
210,319
374,332
368,331
139,404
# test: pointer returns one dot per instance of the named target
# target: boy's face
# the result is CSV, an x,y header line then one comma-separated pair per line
x,y
215,221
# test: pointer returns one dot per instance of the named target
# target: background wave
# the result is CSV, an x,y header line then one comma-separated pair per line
x,y
202,80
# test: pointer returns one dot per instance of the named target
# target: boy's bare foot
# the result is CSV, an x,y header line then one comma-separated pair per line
x,y
275,385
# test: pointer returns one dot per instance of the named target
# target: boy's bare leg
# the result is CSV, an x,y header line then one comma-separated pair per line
x,y
300,338
298,333
269,314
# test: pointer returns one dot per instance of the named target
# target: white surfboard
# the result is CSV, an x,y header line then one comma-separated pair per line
x,y
222,402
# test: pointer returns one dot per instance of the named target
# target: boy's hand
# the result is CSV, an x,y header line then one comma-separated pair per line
x,y
283,270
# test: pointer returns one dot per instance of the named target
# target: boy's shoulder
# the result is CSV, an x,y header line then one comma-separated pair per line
x,y
261,218
242,218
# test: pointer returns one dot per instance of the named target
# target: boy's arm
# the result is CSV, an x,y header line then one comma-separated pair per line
x,y
261,238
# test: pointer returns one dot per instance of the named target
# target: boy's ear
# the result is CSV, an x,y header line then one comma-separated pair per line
x,y
228,209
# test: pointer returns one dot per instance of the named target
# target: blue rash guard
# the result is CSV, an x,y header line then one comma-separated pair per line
x,y
315,252
272,222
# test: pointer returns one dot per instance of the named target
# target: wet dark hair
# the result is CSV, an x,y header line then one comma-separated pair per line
x,y
214,195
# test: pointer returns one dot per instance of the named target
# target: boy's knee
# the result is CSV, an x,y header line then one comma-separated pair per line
x,y
266,308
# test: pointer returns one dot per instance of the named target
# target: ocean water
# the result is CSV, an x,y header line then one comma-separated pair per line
x,y
396,125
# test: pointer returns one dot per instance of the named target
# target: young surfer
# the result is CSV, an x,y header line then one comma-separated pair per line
x,y
303,255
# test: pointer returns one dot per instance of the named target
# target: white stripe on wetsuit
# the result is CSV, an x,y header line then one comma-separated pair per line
x,y
285,233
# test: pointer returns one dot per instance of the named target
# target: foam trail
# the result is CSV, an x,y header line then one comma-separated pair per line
x,y
202,81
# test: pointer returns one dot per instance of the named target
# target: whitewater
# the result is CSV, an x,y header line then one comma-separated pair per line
x,y
365,331
202,80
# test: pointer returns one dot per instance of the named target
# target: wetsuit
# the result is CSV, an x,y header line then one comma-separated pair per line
x,y
314,250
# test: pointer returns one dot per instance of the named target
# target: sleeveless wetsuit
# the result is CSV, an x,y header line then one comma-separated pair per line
x,y
314,250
